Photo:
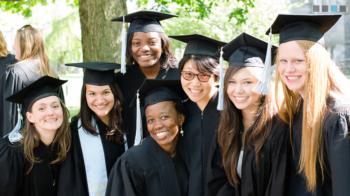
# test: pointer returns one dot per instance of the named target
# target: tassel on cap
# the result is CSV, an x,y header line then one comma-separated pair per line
x,y
139,130
220,106
123,49
15,135
263,86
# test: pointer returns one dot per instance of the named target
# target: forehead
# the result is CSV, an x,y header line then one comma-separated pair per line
x,y
47,100
247,73
291,48
160,107
91,87
145,35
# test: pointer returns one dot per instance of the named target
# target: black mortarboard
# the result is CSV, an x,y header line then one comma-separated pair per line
x,y
144,21
200,45
310,27
155,91
43,87
243,47
97,73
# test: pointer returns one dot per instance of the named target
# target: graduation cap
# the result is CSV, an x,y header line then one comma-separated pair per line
x,y
200,45
243,47
310,27
97,73
41,88
246,46
144,21
141,21
153,91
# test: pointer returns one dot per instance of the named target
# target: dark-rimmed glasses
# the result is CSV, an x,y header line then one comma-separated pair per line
x,y
187,75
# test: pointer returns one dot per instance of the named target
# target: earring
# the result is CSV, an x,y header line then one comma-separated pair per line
x,y
181,131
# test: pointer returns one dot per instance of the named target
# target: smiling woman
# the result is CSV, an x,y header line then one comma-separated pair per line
x,y
148,56
155,167
97,133
30,157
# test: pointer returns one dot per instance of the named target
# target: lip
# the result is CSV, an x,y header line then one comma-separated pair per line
x,y
292,78
160,135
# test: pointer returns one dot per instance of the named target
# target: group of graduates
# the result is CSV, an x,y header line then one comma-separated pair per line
x,y
159,127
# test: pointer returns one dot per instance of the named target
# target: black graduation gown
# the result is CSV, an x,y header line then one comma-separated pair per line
x,y
199,134
4,63
129,83
16,77
266,178
147,170
72,174
336,145
14,181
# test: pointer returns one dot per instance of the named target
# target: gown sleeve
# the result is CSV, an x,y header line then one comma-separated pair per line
x,y
12,84
11,168
337,144
125,181
217,182
279,151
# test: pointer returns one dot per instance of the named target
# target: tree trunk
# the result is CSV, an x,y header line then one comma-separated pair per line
x,y
100,37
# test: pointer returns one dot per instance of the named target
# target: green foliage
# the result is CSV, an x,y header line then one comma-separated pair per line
x,y
24,7
64,42
200,9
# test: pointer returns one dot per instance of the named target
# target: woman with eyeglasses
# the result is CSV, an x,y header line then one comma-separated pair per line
x,y
199,75
32,64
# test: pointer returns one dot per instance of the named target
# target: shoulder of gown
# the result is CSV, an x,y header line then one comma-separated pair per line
x,y
11,167
337,147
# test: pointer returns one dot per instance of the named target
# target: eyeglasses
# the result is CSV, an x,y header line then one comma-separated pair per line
x,y
187,75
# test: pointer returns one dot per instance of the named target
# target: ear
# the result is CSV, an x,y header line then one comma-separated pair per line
x,y
30,117
181,119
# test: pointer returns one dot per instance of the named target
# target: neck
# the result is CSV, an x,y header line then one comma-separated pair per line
x,y
47,138
151,72
105,119
170,148
203,103
249,117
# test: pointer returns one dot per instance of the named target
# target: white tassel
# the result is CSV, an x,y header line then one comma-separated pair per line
x,y
123,49
15,135
220,106
263,86
139,131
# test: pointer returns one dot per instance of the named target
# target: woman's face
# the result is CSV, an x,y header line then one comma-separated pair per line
x,y
46,114
197,89
100,100
146,49
291,66
241,88
163,122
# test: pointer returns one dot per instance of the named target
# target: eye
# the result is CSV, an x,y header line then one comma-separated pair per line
x,y
136,43
150,121
56,106
300,61
164,117
91,93
247,82
283,61
107,92
232,82
41,109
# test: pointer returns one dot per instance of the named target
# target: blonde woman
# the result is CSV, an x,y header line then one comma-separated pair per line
x,y
316,106
29,164
32,64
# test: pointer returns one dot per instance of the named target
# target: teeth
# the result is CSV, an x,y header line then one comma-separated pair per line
x,y
195,90
161,135
292,77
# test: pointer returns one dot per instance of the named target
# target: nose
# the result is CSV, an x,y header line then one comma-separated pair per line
x,y
99,99
290,67
239,88
195,81
158,124
145,47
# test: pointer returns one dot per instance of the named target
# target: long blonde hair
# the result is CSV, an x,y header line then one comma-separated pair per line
x,y
324,80
31,45
31,140
3,46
